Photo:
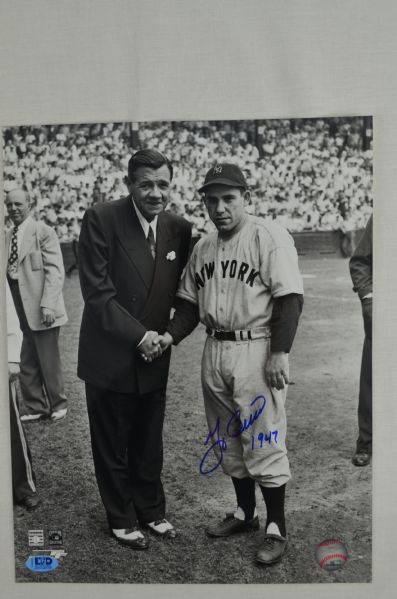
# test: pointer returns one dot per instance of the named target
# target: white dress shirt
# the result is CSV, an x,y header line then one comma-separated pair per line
x,y
145,226
144,223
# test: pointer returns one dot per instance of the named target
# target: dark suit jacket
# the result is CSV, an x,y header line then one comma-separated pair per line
x,y
126,293
361,263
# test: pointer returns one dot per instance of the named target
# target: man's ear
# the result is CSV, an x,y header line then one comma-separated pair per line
x,y
127,183
247,197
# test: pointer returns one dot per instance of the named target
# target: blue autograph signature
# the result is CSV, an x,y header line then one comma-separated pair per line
x,y
234,428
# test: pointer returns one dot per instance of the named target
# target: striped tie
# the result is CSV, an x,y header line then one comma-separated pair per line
x,y
151,242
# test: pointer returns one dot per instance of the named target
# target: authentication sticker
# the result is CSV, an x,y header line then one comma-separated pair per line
x,y
36,538
55,537
41,563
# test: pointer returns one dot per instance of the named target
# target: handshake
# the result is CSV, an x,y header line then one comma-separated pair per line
x,y
154,345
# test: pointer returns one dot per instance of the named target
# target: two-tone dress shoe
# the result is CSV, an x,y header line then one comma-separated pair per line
x,y
162,528
59,414
130,537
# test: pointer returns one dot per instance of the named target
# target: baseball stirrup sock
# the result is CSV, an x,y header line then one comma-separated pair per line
x,y
245,492
274,498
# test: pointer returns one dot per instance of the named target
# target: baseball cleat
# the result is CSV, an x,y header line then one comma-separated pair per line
x,y
231,526
272,550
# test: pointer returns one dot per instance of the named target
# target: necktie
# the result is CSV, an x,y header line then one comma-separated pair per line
x,y
13,259
151,242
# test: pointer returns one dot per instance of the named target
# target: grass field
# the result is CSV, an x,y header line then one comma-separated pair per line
x,y
327,498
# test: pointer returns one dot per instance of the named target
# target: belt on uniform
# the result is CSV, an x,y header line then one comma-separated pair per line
x,y
246,335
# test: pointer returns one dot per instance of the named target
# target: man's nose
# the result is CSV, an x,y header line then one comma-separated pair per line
x,y
220,207
156,192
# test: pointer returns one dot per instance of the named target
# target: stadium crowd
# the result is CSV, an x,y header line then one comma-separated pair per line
x,y
307,174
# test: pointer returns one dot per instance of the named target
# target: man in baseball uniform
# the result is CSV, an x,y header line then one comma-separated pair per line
x,y
243,283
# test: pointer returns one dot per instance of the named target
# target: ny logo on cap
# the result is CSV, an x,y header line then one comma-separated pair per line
x,y
217,169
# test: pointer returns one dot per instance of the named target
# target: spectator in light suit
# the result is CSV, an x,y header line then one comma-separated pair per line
x,y
35,273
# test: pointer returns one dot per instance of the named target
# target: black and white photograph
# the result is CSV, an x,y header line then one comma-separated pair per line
x,y
189,327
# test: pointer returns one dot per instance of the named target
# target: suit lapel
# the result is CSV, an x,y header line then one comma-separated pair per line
x,y
132,238
8,241
165,243
162,238
28,238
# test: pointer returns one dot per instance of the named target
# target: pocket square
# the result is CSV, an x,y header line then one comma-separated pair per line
x,y
171,255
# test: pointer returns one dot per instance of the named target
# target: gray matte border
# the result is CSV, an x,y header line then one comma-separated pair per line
x,y
101,61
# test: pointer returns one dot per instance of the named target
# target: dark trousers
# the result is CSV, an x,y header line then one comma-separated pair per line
x,y
365,398
41,370
127,448
21,460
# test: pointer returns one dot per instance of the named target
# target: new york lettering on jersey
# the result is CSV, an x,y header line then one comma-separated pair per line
x,y
232,269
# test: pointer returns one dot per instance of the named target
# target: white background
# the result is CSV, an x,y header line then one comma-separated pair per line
x,y
71,61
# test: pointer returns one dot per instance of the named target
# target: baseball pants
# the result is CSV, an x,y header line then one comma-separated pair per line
x,y
236,397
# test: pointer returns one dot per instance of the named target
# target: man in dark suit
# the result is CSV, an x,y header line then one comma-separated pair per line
x,y
361,274
131,256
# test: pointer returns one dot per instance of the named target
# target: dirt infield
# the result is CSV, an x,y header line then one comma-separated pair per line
x,y
327,498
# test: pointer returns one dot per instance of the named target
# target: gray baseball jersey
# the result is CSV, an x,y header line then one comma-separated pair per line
x,y
234,281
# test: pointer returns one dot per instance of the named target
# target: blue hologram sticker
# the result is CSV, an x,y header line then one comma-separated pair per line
x,y
41,563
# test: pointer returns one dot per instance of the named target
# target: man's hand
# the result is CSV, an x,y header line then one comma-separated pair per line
x,y
165,341
277,370
47,316
13,370
150,348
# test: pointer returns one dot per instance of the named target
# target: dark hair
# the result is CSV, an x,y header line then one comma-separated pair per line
x,y
148,158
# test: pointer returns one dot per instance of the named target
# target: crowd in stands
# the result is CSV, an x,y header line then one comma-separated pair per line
x,y
307,174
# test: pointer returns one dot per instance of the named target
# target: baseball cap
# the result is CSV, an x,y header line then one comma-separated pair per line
x,y
224,174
